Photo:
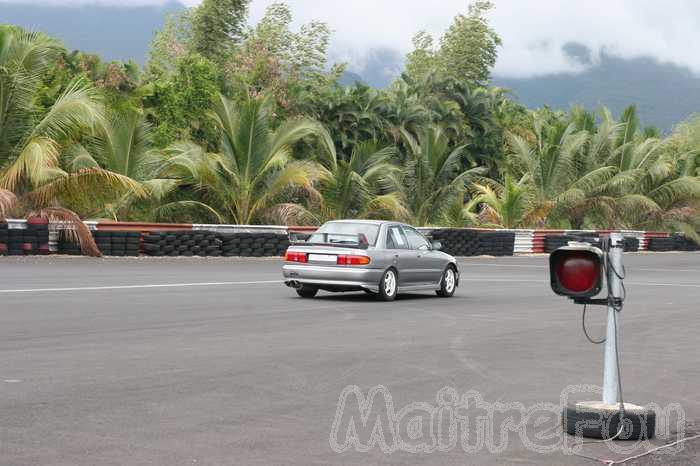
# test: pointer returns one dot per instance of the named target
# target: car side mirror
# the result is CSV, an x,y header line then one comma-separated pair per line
x,y
436,245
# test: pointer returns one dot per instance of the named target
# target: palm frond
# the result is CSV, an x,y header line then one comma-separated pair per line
x,y
74,228
167,210
78,107
290,213
8,200
35,164
87,180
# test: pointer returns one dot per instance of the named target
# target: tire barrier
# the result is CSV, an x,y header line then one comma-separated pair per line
x,y
4,236
497,243
554,242
182,243
254,244
213,244
29,241
68,247
682,243
662,244
118,243
33,236
462,242
457,242
631,244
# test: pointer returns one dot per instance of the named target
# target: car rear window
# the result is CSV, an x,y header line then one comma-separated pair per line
x,y
345,228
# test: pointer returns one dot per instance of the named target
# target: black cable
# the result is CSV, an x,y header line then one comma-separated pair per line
x,y
585,332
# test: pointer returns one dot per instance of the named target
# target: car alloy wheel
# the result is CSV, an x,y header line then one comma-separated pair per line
x,y
450,280
448,284
388,286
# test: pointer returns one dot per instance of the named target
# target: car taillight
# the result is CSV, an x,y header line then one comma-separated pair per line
x,y
352,260
292,256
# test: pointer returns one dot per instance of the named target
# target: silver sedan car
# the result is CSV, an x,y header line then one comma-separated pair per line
x,y
378,257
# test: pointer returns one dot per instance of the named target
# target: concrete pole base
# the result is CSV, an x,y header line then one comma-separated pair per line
x,y
595,419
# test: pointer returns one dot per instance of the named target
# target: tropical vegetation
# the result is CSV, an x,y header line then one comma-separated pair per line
x,y
238,123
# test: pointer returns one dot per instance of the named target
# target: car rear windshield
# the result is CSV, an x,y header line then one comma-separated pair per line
x,y
346,233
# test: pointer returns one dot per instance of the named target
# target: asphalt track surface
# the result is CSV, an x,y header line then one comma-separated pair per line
x,y
208,362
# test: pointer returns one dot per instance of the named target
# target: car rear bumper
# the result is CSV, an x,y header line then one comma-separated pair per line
x,y
345,278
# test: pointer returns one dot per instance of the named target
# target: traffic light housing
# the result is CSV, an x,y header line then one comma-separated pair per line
x,y
576,271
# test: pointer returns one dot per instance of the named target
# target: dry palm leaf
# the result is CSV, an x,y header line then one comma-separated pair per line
x,y
76,230
7,202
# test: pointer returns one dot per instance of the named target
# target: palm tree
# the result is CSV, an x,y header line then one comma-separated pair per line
x,y
503,206
32,142
253,173
352,115
404,111
565,181
124,146
433,177
658,188
365,186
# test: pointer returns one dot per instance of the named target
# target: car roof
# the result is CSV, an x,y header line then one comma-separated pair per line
x,y
366,222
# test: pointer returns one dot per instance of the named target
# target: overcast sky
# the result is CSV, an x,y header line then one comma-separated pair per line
x,y
533,31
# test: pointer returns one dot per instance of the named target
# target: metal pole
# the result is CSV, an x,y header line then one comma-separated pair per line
x,y
610,372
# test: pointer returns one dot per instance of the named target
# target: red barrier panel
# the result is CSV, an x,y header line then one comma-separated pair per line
x,y
142,226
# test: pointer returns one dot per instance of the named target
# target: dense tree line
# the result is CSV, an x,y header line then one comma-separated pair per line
x,y
248,124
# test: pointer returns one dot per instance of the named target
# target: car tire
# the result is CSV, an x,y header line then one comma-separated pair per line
x,y
448,283
640,424
388,285
307,291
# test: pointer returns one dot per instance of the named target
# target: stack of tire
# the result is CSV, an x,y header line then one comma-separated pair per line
x,y
26,242
631,244
683,243
67,246
457,242
554,242
182,243
254,244
118,243
4,238
497,243
662,244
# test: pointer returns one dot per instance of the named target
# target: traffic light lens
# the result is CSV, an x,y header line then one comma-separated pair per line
x,y
577,272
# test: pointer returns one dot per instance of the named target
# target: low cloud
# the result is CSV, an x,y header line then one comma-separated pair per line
x,y
535,33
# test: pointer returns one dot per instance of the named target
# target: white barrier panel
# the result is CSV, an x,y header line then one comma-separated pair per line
x,y
15,224
643,241
243,228
524,241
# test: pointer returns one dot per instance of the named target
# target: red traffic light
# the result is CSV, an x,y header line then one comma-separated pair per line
x,y
576,271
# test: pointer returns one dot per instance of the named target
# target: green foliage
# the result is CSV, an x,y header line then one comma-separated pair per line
x,y
253,127
217,26
170,44
433,177
178,105
365,186
504,206
275,60
253,173
422,61
467,51
34,140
